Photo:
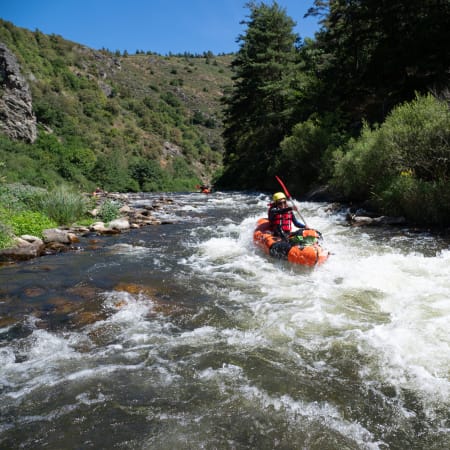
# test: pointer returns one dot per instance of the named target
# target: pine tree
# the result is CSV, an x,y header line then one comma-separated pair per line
x,y
259,111
378,53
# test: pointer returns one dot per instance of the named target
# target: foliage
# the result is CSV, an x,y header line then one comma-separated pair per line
x,y
367,58
18,197
109,210
148,174
29,210
2,178
19,205
92,106
404,165
64,206
304,156
6,233
30,222
375,55
258,113
112,173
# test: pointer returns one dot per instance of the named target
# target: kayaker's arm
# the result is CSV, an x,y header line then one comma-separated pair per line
x,y
297,223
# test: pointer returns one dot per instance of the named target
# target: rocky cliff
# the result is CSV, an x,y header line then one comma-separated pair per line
x,y
16,114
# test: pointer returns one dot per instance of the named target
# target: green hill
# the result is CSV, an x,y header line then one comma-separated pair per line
x,y
123,122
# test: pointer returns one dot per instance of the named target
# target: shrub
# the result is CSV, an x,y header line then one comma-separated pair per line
x,y
359,166
422,202
6,234
2,177
64,206
403,165
16,196
301,157
109,210
29,222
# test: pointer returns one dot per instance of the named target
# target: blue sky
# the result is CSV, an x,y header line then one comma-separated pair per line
x,y
161,26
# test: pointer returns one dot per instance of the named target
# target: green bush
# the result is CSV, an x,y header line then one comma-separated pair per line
x,y
402,166
16,196
422,202
2,177
64,206
109,210
29,222
360,166
6,234
301,159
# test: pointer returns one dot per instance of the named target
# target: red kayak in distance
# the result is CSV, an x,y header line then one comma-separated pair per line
x,y
204,189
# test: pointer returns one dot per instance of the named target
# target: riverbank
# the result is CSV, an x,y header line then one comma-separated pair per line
x,y
61,239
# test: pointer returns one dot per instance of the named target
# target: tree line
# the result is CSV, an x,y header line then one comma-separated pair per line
x,y
362,107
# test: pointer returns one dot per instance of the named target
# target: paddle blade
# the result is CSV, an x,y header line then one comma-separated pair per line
x,y
283,186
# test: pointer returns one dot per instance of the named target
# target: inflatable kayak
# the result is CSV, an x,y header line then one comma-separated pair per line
x,y
204,189
302,249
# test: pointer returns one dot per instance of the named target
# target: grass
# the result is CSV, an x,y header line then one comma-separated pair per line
x,y
64,206
29,210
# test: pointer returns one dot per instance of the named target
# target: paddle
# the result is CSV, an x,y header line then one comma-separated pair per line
x,y
290,198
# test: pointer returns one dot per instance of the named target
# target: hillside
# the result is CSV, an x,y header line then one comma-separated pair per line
x,y
125,122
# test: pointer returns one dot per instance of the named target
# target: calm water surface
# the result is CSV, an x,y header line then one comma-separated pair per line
x,y
186,336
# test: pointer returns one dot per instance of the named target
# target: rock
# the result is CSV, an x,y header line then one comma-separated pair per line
x,y
77,230
388,220
125,209
324,194
56,235
22,251
119,224
16,109
357,221
55,247
73,238
98,227
31,239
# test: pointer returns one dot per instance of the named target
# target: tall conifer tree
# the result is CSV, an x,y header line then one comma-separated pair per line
x,y
259,112
378,53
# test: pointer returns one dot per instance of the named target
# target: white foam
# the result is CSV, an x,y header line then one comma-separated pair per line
x,y
384,300
392,302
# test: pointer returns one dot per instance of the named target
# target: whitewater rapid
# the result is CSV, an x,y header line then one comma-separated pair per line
x,y
188,336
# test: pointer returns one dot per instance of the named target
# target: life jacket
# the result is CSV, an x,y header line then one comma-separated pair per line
x,y
285,220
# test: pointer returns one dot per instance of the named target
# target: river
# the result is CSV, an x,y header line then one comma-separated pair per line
x,y
187,336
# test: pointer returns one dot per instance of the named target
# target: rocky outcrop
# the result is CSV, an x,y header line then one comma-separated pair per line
x,y
16,113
